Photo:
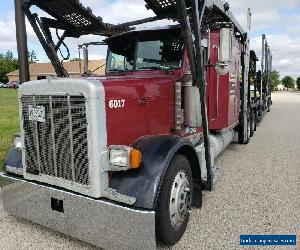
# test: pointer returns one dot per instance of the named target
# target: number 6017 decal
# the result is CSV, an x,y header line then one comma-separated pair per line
x,y
114,104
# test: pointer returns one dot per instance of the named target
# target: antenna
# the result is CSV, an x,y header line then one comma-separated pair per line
x,y
249,19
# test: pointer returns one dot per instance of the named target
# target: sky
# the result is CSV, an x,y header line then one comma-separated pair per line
x,y
278,19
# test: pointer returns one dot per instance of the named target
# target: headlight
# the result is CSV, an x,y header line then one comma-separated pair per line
x,y
124,157
17,142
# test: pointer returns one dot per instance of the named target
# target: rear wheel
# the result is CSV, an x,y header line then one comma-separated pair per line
x,y
252,123
175,201
255,120
269,106
244,136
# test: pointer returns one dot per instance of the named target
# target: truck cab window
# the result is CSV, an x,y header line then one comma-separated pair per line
x,y
119,62
164,53
121,56
152,50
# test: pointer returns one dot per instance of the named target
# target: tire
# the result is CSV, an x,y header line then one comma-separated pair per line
x,y
252,123
177,188
255,120
248,131
242,138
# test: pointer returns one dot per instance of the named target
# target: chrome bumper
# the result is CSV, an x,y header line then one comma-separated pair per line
x,y
101,223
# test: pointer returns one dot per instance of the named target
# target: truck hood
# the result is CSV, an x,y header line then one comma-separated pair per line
x,y
137,106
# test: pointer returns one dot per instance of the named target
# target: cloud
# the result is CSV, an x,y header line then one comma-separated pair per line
x,y
118,11
7,34
286,53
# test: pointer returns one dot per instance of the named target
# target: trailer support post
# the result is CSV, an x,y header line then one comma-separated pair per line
x,y
45,40
21,36
262,69
197,15
195,54
244,133
187,35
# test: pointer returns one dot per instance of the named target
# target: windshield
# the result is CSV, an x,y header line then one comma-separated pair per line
x,y
147,51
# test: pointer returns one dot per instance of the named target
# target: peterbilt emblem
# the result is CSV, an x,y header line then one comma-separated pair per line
x,y
36,113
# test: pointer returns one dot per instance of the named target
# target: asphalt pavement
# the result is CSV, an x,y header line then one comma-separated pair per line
x,y
258,192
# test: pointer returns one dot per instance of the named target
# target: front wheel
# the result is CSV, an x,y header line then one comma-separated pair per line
x,y
175,201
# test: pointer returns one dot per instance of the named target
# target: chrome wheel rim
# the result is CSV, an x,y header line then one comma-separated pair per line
x,y
248,129
180,199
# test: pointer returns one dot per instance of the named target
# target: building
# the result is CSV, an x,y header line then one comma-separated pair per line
x,y
40,71
280,87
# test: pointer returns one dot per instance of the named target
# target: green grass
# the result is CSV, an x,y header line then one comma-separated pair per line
x,y
9,120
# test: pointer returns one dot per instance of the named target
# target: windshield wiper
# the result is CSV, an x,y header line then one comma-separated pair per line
x,y
153,67
118,71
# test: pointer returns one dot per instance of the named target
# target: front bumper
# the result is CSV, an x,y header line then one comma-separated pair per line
x,y
98,222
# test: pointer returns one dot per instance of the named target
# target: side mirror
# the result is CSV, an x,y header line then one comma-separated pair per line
x,y
225,45
225,51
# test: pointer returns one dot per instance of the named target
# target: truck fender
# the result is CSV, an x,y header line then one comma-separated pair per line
x,y
145,182
13,162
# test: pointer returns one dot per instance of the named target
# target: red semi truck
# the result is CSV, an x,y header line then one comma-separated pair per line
x,y
117,161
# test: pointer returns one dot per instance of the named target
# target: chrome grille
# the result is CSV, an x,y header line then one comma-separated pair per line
x,y
57,147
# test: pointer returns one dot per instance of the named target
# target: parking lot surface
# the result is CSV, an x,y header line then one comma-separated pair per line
x,y
258,192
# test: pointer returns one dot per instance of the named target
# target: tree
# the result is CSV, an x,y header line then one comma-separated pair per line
x,y
7,64
298,83
32,56
275,75
75,59
288,82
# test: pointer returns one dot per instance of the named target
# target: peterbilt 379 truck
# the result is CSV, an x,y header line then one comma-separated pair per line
x,y
117,160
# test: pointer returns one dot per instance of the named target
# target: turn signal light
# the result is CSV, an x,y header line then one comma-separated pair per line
x,y
135,158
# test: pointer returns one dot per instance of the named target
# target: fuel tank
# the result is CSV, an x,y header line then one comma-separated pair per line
x,y
137,106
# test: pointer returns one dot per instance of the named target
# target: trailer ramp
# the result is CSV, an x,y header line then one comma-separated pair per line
x,y
73,17
215,11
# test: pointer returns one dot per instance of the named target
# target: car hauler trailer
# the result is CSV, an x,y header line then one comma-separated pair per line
x,y
260,87
264,79
114,160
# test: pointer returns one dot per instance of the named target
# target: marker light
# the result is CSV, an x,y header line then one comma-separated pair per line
x,y
135,158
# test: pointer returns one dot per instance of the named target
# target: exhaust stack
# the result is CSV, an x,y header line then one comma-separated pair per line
x,y
192,104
